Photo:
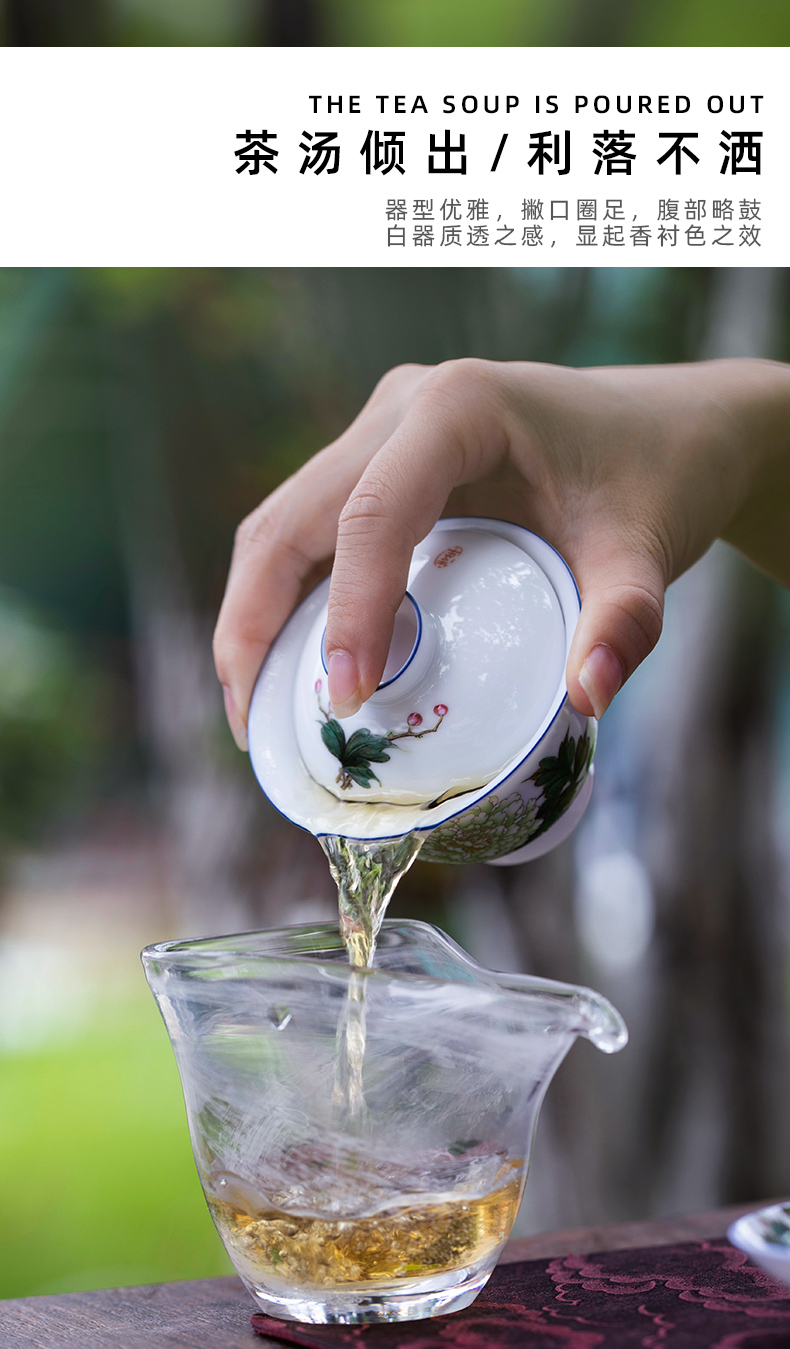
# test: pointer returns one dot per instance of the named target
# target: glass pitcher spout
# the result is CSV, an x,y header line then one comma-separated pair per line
x,y
580,1011
569,1008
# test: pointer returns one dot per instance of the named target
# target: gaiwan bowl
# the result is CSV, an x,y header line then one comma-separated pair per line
x,y
470,738
765,1237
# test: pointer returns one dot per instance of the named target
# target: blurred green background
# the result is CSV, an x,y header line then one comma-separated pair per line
x,y
142,414
397,22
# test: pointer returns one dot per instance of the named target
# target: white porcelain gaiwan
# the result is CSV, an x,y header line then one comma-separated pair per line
x,y
765,1237
469,737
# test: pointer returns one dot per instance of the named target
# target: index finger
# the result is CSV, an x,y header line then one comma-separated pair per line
x,y
448,437
280,546
276,549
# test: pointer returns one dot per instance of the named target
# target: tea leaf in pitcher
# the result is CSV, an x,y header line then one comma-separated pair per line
x,y
463,1145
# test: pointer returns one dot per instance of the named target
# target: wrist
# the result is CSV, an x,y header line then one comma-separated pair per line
x,y
759,397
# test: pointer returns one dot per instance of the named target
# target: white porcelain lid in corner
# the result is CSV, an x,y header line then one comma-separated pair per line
x,y
478,655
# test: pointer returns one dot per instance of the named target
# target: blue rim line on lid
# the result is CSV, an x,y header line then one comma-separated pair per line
x,y
386,683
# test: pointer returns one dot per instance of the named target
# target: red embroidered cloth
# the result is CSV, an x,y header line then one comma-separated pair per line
x,y
702,1293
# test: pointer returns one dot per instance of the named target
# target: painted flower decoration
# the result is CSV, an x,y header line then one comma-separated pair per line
x,y
365,747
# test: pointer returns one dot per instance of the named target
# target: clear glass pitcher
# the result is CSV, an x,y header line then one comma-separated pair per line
x,y
394,1206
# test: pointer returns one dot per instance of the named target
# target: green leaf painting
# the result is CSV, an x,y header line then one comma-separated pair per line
x,y
496,826
559,777
365,747
334,738
355,754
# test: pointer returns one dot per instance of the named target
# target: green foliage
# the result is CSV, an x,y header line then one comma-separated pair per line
x,y
700,23
51,715
459,23
463,23
193,23
97,1183
408,23
59,543
129,295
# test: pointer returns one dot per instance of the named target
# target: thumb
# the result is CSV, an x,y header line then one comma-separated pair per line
x,y
620,623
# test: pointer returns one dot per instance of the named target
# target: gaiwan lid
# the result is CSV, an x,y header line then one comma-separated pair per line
x,y
475,674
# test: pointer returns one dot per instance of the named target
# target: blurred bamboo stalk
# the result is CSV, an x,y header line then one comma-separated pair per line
x,y
208,811
604,23
720,1049
289,23
53,23
694,1115
25,326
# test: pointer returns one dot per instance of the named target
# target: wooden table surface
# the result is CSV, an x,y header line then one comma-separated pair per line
x,y
215,1313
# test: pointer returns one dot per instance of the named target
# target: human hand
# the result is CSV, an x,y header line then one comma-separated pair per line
x,y
630,472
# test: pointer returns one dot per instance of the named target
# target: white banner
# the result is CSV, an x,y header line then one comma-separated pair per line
x,y
381,156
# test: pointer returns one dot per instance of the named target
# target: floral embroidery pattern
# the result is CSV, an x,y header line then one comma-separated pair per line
x,y
494,826
697,1293
365,747
488,829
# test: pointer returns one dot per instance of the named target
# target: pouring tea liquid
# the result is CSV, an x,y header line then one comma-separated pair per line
x,y
467,1202
366,875
471,584
362,1115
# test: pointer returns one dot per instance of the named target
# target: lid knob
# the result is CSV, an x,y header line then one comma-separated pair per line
x,y
476,659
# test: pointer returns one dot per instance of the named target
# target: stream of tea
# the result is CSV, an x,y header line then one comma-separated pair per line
x,y
366,875
446,1211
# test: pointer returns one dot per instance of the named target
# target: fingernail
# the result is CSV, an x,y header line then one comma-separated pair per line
x,y
343,679
237,728
601,676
